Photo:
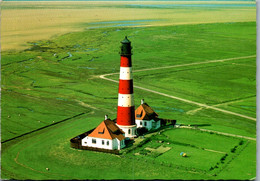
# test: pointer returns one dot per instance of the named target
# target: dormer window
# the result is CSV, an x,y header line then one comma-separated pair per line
x,y
101,130
139,115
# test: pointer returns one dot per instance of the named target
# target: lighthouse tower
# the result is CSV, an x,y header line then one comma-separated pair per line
x,y
126,108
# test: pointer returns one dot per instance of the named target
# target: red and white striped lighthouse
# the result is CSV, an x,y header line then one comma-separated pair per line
x,y
126,108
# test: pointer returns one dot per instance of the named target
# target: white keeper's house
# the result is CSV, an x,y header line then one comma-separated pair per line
x,y
107,135
146,117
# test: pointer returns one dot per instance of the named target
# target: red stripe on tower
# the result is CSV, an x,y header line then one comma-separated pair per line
x,y
125,61
125,86
126,108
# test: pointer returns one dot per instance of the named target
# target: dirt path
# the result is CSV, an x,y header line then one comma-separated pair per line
x,y
85,104
186,100
229,134
215,151
197,103
192,112
184,65
198,63
221,133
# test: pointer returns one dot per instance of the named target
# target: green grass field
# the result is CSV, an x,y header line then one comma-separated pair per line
x,y
56,79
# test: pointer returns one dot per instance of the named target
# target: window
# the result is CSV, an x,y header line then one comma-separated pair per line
x,y
141,123
145,123
129,131
94,141
103,142
101,130
139,115
107,142
154,124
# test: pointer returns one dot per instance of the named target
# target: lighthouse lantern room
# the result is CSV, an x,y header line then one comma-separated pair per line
x,y
126,108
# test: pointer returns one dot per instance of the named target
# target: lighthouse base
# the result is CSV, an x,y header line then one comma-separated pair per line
x,y
130,130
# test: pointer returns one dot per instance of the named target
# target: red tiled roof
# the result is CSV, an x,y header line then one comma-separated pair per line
x,y
107,129
145,112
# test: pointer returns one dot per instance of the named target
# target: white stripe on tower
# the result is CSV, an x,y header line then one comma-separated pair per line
x,y
125,100
126,73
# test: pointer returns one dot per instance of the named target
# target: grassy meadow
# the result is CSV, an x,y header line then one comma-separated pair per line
x,y
54,52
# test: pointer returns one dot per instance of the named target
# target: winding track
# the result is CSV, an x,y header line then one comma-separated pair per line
x,y
186,100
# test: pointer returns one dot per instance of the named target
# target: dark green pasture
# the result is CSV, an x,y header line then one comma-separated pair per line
x,y
57,79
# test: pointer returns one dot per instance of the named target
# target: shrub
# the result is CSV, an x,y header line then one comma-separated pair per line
x,y
223,157
233,149
241,142
141,131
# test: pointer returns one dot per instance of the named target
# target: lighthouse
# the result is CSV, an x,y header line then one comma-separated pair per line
x,y
126,108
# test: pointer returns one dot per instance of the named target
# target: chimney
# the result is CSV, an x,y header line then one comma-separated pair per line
x,y
142,101
106,117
